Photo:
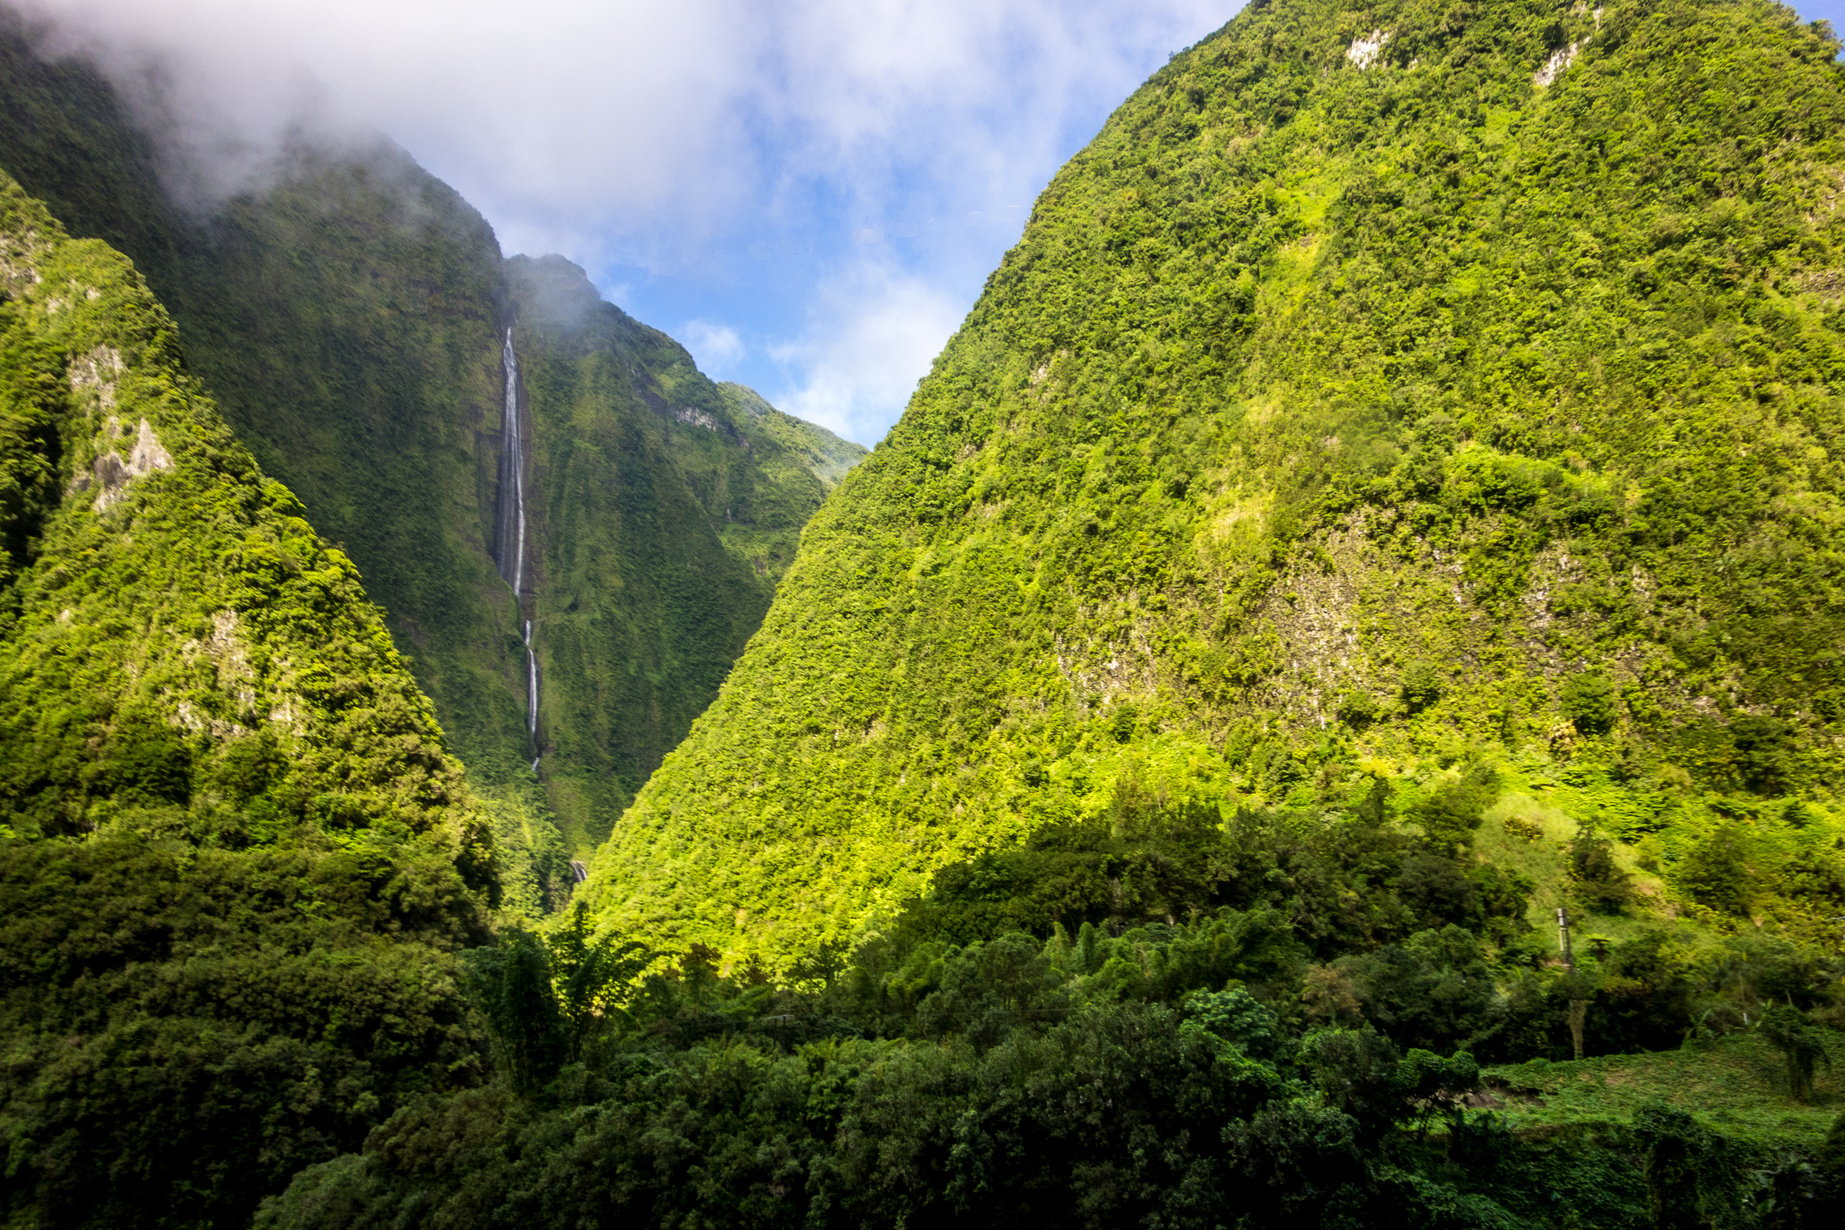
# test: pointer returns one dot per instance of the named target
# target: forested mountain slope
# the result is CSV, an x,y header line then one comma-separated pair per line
x,y
234,851
1441,399
178,640
668,506
1387,500
347,319
238,862
349,314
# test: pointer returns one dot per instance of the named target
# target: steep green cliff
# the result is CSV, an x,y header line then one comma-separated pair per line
x,y
179,643
1442,396
666,508
345,318
234,851
349,315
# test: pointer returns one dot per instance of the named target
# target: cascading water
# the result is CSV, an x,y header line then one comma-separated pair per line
x,y
510,530
531,688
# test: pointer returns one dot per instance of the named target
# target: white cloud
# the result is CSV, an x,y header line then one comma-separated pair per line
x,y
556,114
942,121
691,138
716,347
873,333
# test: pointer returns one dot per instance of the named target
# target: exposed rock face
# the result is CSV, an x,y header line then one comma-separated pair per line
x,y
113,474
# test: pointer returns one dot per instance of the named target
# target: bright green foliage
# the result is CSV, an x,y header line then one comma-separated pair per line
x,y
234,852
1737,1084
1477,406
666,508
348,316
183,656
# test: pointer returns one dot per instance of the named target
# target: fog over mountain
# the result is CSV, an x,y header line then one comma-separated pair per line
x,y
1326,712
810,193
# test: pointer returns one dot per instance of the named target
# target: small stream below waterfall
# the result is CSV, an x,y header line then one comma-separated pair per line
x,y
509,532
531,691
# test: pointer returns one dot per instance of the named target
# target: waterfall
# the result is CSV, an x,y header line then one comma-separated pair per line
x,y
531,684
510,528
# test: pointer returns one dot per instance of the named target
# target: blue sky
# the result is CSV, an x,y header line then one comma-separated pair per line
x,y
807,193
1824,10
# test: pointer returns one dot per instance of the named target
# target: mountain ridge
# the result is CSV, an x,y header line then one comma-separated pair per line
x,y
349,314
234,839
1298,440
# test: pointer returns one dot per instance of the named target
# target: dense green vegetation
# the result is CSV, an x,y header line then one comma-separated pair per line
x,y
668,507
345,318
1387,505
1462,414
234,853
183,655
1153,1019
187,1028
348,314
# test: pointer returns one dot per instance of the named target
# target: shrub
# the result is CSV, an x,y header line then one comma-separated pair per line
x,y
1588,701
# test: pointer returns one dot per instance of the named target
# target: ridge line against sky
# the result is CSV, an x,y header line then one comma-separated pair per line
x,y
809,195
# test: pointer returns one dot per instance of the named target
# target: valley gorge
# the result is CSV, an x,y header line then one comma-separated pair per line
x,y
390,414
1327,709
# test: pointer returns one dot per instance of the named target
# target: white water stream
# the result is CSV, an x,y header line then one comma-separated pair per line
x,y
531,683
512,478
511,529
